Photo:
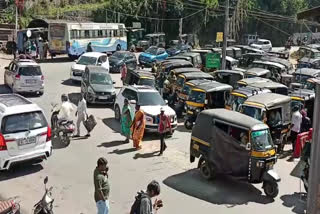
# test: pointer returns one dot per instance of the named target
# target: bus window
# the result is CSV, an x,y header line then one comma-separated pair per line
x,y
87,34
115,33
92,33
82,34
121,33
100,33
73,34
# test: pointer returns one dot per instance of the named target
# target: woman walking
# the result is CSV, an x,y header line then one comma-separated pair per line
x,y
137,127
126,120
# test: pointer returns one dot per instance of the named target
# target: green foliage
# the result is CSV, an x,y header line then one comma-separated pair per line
x,y
211,3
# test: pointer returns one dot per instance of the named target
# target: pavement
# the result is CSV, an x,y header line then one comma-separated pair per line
x,y
70,169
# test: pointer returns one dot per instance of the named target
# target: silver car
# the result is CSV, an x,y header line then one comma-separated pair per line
x,y
24,76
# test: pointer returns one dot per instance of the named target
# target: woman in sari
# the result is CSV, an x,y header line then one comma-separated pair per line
x,y
137,127
126,120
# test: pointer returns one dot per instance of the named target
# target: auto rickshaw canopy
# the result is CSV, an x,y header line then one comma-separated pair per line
x,y
267,100
212,86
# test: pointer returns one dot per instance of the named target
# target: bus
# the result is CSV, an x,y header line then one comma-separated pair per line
x,y
73,38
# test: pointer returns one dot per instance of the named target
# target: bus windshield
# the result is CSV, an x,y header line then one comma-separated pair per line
x,y
57,30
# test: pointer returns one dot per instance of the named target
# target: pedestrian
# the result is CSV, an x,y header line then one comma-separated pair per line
x,y
306,122
137,127
82,115
161,80
143,201
154,68
45,49
164,125
124,72
101,186
126,120
33,50
296,125
40,48
89,47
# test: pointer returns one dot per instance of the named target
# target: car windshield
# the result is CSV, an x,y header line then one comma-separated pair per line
x,y
235,102
253,112
23,122
118,55
152,50
87,60
197,96
30,71
301,78
259,43
100,78
150,99
261,140
146,81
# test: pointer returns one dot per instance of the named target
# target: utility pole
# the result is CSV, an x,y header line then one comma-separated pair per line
x,y
106,15
180,27
225,36
313,205
16,29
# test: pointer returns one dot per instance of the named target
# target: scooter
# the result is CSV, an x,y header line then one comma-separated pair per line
x,y
63,129
10,206
45,205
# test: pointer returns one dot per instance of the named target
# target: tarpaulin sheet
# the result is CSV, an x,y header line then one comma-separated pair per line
x,y
227,156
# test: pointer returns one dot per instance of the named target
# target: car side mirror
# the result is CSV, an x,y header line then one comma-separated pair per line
x,y
7,67
248,147
166,101
113,82
99,63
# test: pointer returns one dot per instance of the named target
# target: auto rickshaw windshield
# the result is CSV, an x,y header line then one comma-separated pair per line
x,y
145,81
197,97
235,102
261,140
301,78
253,112
180,81
310,86
186,89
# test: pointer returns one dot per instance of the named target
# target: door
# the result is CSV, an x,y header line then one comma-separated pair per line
x,y
14,78
9,74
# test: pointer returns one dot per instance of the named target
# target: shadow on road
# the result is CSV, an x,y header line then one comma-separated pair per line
x,y
146,155
298,202
112,124
69,82
181,128
112,144
5,89
56,144
54,60
122,151
222,190
20,170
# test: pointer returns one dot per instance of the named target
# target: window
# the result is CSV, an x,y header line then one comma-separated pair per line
x,y
93,34
30,71
130,94
116,33
110,33
100,33
82,34
86,34
102,59
121,33
224,127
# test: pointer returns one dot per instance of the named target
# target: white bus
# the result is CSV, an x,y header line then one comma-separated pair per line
x,y
73,38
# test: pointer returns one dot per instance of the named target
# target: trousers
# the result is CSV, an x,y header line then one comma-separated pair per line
x,y
81,119
162,142
103,207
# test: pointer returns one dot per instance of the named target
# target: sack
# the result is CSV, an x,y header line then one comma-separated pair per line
x,y
135,208
90,123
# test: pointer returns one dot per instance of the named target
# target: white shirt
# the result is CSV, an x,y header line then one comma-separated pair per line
x,y
82,107
66,111
296,121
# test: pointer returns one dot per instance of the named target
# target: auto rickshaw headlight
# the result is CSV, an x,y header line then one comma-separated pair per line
x,y
260,164
185,107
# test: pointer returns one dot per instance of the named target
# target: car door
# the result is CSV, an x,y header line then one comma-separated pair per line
x,y
104,62
84,82
7,73
13,74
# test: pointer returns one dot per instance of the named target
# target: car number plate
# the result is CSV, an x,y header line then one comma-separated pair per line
x,y
26,141
104,97
31,81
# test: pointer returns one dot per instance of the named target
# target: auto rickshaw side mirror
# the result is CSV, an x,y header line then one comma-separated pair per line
x,y
206,101
248,147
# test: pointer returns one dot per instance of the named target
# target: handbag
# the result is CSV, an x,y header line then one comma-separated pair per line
x,y
90,123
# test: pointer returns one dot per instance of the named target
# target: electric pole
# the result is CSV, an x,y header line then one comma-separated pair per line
x,y
225,36
313,205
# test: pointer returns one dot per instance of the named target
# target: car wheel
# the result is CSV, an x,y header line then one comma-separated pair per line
x,y
117,114
188,124
271,189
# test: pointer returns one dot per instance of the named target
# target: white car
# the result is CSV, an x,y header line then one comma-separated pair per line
x,y
150,101
24,75
90,58
25,133
262,44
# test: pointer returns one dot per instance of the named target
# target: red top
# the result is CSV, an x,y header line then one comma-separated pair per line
x,y
123,72
164,123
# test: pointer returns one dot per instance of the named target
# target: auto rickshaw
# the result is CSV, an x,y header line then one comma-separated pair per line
x,y
300,76
249,81
275,68
304,98
140,77
258,72
288,65
230,77
306,62
172,64
234,144
239,96
311,84
248,58
205,96
185,77
274,87
275,111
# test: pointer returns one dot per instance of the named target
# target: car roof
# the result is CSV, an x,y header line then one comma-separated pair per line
x,y
26,62
94,54
269,85
94,68
213,86
264,40
269,100
307,71
269,63
15,104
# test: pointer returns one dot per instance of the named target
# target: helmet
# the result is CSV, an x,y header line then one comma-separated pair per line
x,y
64,98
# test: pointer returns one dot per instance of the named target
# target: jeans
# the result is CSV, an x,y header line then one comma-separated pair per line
x,y
103,207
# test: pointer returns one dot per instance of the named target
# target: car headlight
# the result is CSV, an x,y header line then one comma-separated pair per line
x,y
113,93
90,90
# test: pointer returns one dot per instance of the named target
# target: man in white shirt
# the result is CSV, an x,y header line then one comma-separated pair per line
x,y
295,126
66,109
82,114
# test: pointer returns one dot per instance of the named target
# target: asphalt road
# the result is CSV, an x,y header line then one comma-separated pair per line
x,y
70,170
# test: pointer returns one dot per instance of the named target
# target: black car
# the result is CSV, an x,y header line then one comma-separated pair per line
x,y
119,58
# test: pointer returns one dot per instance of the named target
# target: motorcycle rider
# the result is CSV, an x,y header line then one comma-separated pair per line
x,y
66,109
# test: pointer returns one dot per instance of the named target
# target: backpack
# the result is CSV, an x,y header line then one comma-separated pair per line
x,y
135,208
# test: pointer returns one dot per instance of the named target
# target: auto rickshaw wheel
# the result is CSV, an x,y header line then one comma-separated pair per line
x,y
205,169
271,189
188,124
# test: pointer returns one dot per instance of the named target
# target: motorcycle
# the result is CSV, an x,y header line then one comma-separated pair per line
x,y
10,206
61,129
45,205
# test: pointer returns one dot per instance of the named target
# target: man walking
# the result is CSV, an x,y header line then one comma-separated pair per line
x,y
143,202
296,125
81,114
101,186
164,125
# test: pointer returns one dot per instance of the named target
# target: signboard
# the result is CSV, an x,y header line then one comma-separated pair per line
x,y
136,24
219,37
213,60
